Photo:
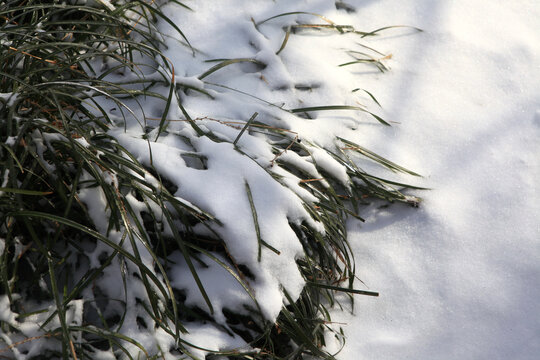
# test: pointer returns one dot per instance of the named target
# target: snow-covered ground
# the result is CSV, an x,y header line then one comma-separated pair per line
x,y
459,277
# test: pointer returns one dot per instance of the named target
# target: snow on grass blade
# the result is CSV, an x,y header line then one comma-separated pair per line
x,y
36,214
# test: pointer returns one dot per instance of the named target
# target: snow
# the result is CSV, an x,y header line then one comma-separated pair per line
x,y
8,98
220,189
6,314
458,277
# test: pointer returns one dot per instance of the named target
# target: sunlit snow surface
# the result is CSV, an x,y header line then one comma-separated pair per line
x,y
459,278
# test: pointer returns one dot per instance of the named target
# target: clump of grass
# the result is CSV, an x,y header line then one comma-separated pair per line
x,y
63,66
56,61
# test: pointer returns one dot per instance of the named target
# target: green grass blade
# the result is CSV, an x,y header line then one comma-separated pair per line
x,y
245,127
296,13
342,289
285,40
374,32
326,108
24,191
228,62
381,160
256,224
370,95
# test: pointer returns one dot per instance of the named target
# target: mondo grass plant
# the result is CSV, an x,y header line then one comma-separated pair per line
x,y
98,236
